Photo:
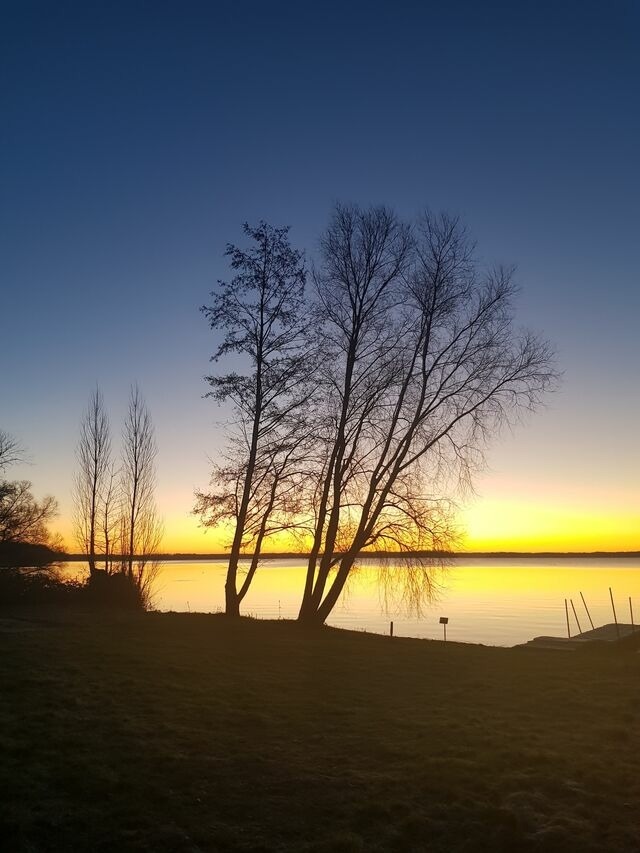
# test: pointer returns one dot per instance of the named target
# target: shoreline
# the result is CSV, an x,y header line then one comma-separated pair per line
x,y
384,555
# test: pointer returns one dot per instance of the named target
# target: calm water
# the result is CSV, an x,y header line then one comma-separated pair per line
x,y
492,601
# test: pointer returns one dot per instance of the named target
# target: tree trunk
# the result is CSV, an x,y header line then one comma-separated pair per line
x,y
318,614
232,602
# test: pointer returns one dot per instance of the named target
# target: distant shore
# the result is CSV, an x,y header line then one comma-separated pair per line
x,y
385,555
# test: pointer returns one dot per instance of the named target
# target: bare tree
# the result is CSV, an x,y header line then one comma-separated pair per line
x,y
94,460
10,450
276,501
141,529
423,366
110,513
22,517
261,311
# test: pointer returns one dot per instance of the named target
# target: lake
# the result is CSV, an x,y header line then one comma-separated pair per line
x,y
496,601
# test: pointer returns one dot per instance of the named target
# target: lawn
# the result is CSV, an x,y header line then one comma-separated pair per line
x,y
186,733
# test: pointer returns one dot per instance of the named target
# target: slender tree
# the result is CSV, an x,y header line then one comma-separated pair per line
x,y
262,314
94,459
140,527
110,512
423,366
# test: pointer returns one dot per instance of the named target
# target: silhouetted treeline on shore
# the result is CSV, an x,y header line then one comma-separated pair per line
x,y
385,555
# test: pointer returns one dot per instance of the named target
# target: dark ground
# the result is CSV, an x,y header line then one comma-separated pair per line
x,y
181,732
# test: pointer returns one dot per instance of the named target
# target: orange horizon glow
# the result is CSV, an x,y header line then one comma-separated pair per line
x,y
492,524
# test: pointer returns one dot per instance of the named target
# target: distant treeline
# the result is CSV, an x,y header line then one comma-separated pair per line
x,y
21,554
386,555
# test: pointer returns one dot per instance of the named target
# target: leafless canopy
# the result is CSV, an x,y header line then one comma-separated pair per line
x,y
22,517
423,364
10,450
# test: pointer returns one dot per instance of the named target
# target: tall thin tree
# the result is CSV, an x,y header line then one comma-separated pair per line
x,y
141,528
110,511
262,314
94,458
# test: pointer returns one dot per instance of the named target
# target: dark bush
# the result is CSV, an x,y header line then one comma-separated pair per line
x,y
114,591
36,586
18,554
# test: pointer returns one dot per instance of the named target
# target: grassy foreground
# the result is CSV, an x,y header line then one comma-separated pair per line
x,y
182,732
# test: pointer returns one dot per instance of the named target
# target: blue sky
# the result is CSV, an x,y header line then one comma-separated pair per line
x,y
137,137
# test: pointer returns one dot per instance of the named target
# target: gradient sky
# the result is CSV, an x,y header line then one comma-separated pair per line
x,y
135,138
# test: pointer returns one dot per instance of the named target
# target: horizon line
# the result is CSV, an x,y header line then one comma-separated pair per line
x,y
180,555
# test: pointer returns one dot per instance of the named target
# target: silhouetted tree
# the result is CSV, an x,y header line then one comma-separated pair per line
x,y
110,513
94,461
276,502
10,450
140,527
22,517
262,313
422,364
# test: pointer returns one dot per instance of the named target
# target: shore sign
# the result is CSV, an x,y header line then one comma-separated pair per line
x,y
444,621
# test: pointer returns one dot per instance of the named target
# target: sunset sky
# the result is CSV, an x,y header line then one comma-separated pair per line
x,y
136,138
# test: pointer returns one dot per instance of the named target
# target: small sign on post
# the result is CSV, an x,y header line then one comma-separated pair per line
x,y
444,621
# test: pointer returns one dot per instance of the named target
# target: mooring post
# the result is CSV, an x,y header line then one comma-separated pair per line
x,y
566,613
633,627
391,629
587,609
576,616
615,618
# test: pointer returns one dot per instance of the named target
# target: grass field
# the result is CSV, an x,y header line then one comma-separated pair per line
x,y
181,732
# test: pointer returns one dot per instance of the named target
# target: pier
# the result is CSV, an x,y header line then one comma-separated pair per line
x,y
625,635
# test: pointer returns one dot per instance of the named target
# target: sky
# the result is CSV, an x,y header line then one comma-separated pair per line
x,y
137,137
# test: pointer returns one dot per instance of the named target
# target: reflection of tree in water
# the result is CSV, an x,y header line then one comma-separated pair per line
x,y
406,584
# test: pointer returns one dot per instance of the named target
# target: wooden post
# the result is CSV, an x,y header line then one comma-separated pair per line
x,y
566,613
391,629
576,616
615,618
587,609
633,627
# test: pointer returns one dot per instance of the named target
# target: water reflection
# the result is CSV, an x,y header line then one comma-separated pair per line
x,y
487,600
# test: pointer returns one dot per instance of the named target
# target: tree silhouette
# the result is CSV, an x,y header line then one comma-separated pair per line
x,y
262,313
92,478
422,365
23,518
140,527
10,450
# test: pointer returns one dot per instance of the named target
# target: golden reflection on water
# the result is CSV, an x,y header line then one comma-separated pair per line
x,y
488,600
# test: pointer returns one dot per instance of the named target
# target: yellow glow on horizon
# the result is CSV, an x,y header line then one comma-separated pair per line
x,y
499,524
493,523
